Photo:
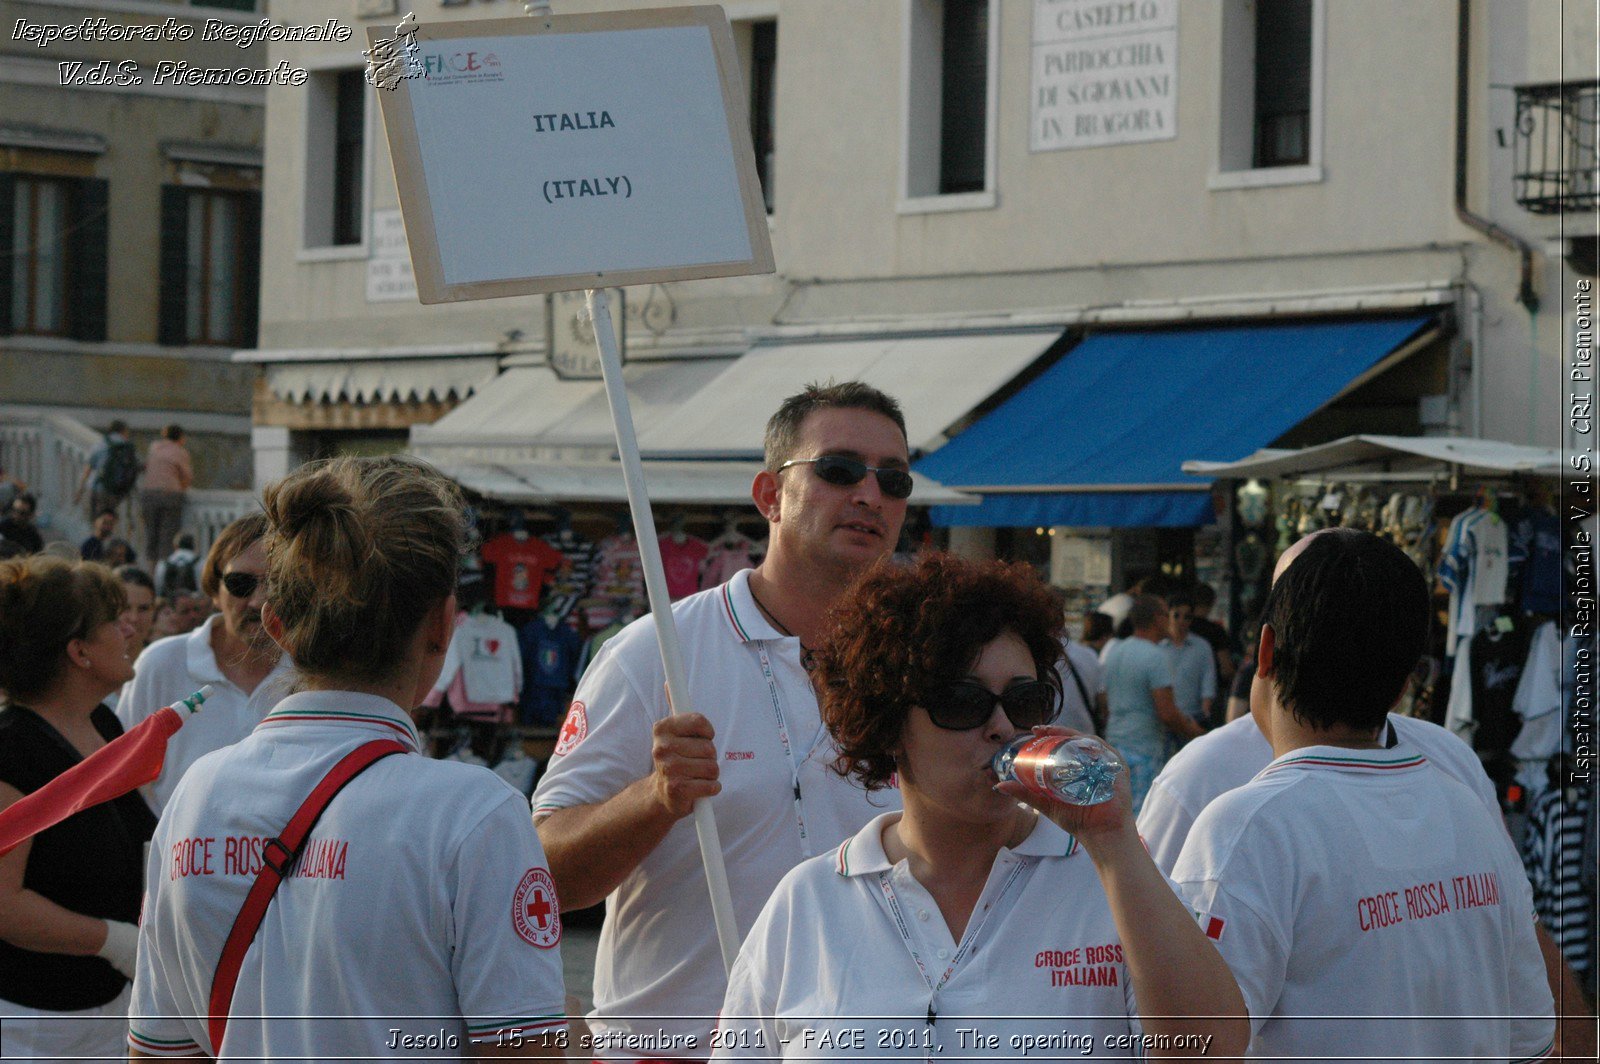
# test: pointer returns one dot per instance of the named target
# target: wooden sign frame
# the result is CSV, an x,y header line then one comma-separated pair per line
x,y
405,146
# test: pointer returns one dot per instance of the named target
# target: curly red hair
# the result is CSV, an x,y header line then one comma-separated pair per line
x,y
905,632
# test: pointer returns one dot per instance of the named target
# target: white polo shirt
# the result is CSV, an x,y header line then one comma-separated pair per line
x,y
852,958
1233,754
659,968
178,666
421,913
1354,892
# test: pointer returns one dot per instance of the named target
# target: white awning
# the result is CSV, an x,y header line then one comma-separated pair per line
x,y
1398,456
937,379
532,407
397,381
681,483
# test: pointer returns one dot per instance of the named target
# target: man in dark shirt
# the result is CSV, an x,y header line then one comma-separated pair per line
x,y
18,525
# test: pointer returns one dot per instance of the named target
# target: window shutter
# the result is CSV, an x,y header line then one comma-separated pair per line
x,y
8,194
171,322
249,268
87,296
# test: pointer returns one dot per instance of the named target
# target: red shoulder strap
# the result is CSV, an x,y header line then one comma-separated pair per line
x,y
277,860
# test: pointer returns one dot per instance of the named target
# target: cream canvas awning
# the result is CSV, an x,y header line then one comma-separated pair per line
x,y
937,380
532,407
1397,455
677,483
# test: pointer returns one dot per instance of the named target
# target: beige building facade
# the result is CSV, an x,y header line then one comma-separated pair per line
x,y
130,222
978,170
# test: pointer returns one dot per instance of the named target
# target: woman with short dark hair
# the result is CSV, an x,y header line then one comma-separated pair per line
x,y
69,897
968,916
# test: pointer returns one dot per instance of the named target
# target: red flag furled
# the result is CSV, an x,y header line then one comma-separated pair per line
x,y
127,762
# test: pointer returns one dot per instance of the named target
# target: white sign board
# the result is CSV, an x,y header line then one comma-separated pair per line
x,y
1103,73
585,151
389,277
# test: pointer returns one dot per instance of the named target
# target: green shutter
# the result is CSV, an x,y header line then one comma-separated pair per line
x,y
172,319
249,268
8,193
86,316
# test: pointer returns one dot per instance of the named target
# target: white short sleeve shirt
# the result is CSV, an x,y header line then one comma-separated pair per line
x,y
852,959
658,974
176,667
420,916
1233,754
1369,907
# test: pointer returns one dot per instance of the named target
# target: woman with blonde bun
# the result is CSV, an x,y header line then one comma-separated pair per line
x,y
69,897
417,917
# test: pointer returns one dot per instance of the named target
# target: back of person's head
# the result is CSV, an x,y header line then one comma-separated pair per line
x,y
783,428
1096,626
173,432
231,542
1350,620
1144,611
46,603
358,550
1205,597
184,541
118,426
132,574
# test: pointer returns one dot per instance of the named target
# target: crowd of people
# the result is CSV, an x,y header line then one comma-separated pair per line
x,y
1313,880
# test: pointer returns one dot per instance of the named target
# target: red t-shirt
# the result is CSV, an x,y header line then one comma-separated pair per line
x,y
682,564
521,567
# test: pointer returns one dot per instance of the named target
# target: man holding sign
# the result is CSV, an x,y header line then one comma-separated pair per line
x,y
612,809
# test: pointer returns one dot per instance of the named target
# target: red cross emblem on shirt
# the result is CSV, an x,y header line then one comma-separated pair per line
x,y
540,909
534,915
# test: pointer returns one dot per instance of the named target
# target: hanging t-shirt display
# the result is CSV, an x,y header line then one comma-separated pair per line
x,y
550,651
1535,556
728,554
570,581
681,557
482,670
618,572
521,565
1473,569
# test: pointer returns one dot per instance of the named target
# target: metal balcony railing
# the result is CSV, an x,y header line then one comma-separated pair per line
x,y
1557,167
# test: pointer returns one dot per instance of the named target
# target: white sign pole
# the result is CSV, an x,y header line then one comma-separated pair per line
x,y
655,585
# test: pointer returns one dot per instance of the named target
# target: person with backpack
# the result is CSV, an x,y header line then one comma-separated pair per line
x,y
179,571
114,467
168,473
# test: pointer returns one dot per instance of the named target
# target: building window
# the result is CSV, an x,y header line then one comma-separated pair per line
x,y
212,274
335,158
764,100
1271,88
39,255
950,98
210,243
1283,83
53,241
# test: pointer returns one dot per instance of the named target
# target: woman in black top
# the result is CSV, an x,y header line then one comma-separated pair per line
x,y
69,897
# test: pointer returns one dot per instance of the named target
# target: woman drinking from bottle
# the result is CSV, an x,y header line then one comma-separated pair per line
x,y
982,919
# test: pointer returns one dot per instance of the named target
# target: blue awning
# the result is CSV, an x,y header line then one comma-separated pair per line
x,y
1100,437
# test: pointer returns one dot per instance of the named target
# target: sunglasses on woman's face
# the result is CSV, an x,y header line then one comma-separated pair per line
x,y
241,585
967,704
847,472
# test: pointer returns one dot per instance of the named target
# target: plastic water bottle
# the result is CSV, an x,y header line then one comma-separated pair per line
x,y
1078,770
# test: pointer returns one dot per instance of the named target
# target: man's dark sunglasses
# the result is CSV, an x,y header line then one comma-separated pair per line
x,y
965,705
241,585
847,472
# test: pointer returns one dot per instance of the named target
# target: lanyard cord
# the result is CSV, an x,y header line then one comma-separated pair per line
x,y
968,940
